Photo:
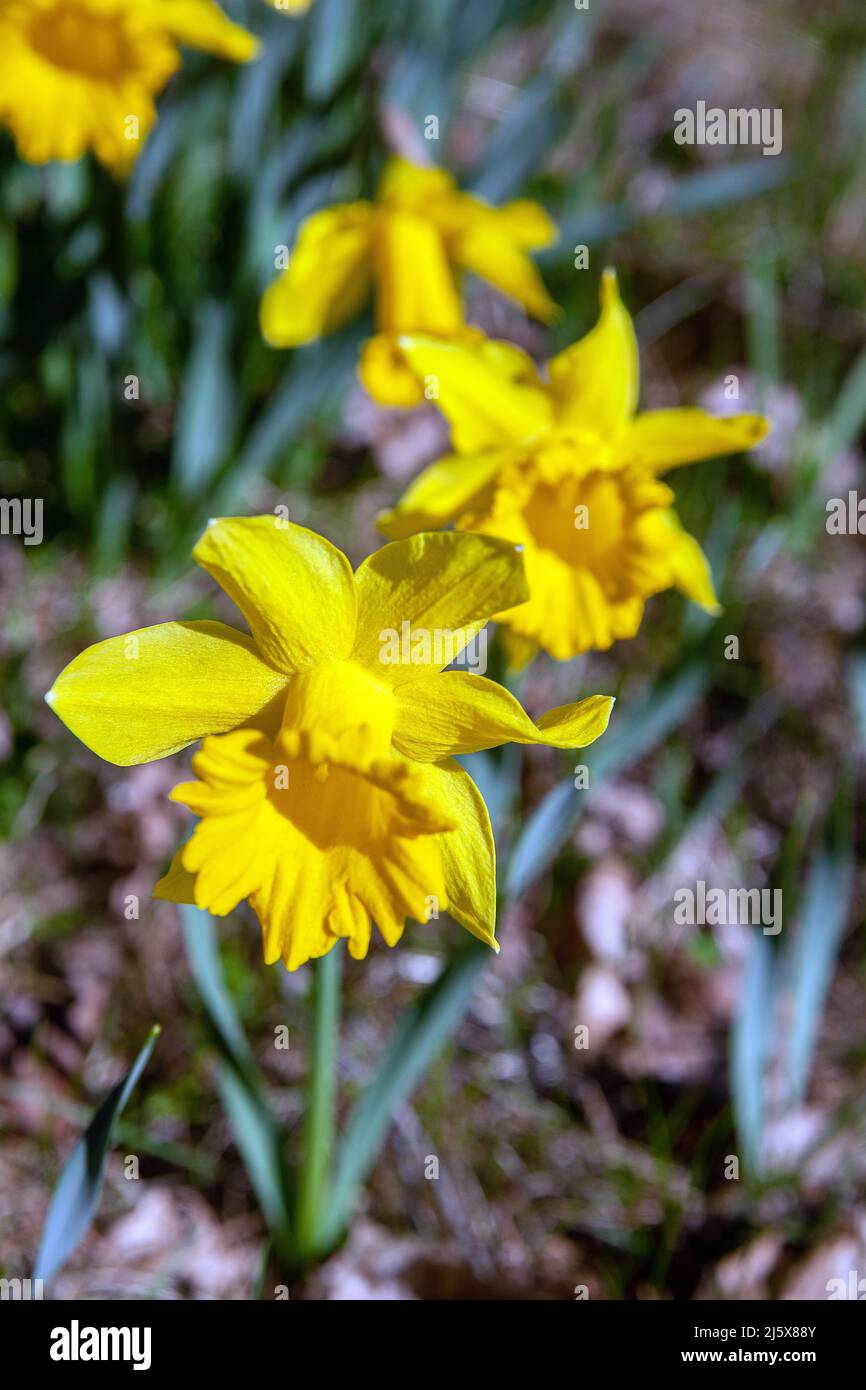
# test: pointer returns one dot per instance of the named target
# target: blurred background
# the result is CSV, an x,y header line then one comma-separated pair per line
x,y
606,1167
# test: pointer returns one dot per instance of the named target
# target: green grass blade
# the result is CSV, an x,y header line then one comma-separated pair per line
x,y
76,1196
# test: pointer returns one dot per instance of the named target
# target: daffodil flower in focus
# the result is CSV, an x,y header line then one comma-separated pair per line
x,y
326,786
406,247
564,467
82,74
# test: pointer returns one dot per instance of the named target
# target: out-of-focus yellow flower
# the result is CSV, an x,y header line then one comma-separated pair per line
x,y
77,75
406,246
565,468
292,7
326,785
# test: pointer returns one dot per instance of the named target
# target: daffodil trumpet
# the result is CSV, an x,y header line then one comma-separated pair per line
x,y
79,75
326,787
564,465
407,247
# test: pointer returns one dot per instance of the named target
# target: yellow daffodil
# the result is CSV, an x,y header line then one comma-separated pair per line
x,y
407,246
82,74
326,785
564,467
292,7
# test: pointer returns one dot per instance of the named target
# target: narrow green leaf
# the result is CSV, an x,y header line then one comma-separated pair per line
x,y
153,164
76,1196
319,1121
545,832
258,94
207,408
751,1045
519,143
629,739
203,955
260,1145
858,694
848,415
259,1287
336,36
316,379
258,1133
693,193
762,318
816,945
421,1031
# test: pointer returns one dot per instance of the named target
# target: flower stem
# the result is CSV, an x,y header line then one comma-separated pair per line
x,y
318,1141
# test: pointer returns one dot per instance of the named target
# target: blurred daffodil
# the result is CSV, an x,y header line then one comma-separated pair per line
x,y
78,75
407,246
326,785
564,467
290,7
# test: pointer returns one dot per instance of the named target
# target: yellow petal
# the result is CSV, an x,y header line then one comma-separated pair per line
x,y
510,361
440,493
527,223
294,588
468,853
415,288
177,884
687,565
443,587
662,439
478,394
202,24
386,375
490,242
150,693
568,611
412,187
595,382
485,249
692,573
327,280
455,712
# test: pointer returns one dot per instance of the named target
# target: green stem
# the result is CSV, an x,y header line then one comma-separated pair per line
x,y
313,1191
